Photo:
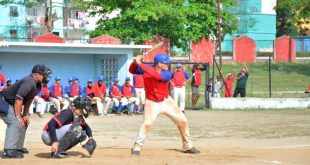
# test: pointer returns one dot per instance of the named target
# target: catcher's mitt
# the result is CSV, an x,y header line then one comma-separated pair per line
x,y
90,146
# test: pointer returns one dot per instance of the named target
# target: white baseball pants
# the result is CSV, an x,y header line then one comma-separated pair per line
x,y
170,109
140,92
179,92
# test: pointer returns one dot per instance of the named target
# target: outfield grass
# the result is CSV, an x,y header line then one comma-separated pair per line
x,y
289,80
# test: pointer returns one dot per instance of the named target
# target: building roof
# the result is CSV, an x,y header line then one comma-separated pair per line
x,y
33,47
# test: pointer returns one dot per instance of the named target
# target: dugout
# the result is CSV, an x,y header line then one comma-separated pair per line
x,y
87,61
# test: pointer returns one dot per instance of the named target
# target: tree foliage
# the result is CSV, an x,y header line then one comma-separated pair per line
x,y
291,15
178,20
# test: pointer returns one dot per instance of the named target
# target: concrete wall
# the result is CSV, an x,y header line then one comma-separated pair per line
x,y
85,66
259,103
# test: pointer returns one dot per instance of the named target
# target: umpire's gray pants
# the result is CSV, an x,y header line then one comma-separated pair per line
x,y
14,135
60,133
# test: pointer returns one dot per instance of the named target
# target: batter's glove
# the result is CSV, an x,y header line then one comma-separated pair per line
x,y
90,146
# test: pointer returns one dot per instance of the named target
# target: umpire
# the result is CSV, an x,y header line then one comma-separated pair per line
x,y
14,107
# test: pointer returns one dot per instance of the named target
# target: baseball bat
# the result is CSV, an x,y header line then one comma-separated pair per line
x,y
157,46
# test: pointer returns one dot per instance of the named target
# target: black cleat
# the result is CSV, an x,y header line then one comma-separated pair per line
x,y
23,150
59,155
12,154
135,152
192,151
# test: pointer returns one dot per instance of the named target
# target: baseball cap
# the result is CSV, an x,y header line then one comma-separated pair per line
x,y
38,69
178,65
70,79
75,78
127,78
101,78
0,66
57,78
115,80
89,80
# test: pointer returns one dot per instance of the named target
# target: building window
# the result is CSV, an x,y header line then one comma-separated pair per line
x,y
13,11
13,33
109,70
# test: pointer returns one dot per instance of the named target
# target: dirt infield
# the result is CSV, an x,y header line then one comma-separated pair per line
x,y
224,137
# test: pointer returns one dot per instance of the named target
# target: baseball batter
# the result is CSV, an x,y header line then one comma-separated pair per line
x,y
158,101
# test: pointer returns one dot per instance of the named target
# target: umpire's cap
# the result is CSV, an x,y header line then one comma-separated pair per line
x,y
41,69
162,57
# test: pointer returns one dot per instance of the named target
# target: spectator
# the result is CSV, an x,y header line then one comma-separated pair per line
x,y
138,83
210,87
115,94
40,101
87,89
128,92
57,95
242,78
196,82
229,81
179,80
308,90
75,89
98,94
217,86
2,78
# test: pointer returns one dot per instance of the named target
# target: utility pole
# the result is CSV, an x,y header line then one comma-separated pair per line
x,y
219,40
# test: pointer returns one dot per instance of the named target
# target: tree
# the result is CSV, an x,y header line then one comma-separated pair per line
x,y
291,15
178,20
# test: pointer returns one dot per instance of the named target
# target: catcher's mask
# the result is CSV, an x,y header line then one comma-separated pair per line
x,y
84,104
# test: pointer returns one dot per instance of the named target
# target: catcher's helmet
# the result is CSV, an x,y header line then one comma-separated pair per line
x,y
84,104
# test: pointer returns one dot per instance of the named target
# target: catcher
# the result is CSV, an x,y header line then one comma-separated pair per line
x,y
64,131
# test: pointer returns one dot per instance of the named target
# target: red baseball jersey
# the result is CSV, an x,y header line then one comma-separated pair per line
x,y
99,90
155,82
128,90
57,90
115,90
138,81
178,78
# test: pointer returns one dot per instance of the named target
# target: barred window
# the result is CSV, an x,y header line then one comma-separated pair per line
x,y
13,11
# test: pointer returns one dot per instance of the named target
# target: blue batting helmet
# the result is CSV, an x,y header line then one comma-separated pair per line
x,y
162,57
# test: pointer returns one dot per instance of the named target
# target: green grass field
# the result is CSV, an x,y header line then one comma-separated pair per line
x,y
288,80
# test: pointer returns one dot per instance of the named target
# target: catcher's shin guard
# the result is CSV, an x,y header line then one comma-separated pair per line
x,y
70,140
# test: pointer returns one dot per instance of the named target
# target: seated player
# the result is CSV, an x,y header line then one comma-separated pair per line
x,y
98,95
40,101
57,95
128,93
115,94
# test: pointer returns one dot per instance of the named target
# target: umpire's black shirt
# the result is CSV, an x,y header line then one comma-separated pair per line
x,y
26,89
